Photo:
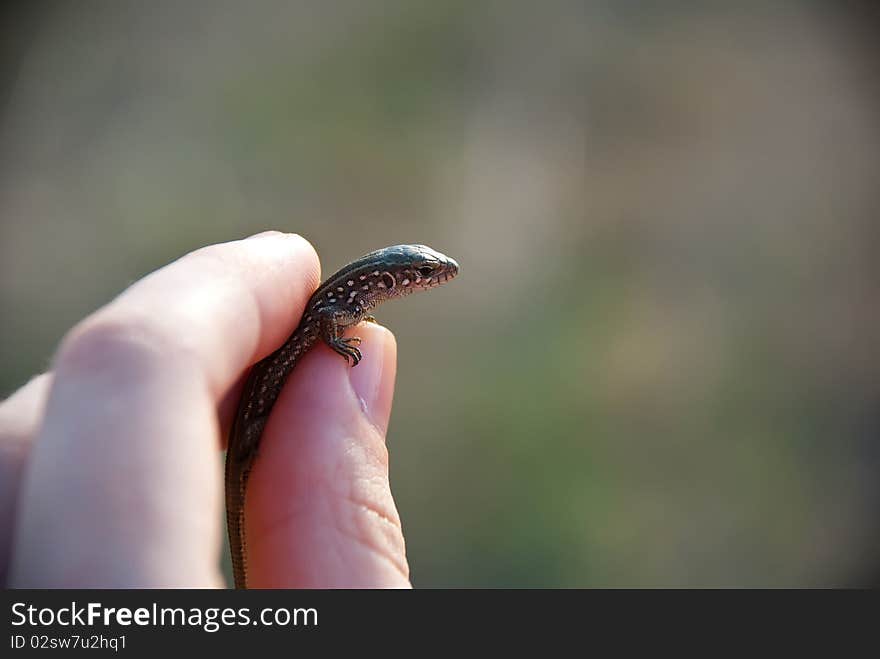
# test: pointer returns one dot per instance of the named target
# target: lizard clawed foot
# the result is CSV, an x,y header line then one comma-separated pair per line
x,y
345,346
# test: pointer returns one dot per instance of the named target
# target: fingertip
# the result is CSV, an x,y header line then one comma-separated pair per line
x,y
320,509
373,378
269,233
292,247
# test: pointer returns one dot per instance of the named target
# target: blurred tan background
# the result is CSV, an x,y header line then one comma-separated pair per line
x,y
659,365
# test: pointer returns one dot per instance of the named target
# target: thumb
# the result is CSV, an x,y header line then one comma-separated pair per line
x,y
320,512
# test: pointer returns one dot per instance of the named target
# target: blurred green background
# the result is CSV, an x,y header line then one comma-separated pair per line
x,y
659,364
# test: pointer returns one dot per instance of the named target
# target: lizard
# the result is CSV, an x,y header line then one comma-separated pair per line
x,y
342,300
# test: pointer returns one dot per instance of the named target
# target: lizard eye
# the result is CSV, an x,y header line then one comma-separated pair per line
x,y
426,270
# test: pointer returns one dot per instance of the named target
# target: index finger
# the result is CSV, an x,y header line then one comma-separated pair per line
x,y
223,306
122,485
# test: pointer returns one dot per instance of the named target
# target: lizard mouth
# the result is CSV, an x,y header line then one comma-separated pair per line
x,y
441,278
439,272
449,271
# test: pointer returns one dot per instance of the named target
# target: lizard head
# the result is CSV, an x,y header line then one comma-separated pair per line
x,y
410,268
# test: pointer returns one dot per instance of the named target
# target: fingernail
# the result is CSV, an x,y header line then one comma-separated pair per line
x,y
264,234
373,378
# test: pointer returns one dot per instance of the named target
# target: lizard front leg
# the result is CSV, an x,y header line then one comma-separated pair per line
x,y
331,332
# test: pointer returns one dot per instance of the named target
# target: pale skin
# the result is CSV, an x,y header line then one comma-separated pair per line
x,y
110,463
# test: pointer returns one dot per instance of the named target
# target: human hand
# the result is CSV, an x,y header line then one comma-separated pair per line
x,y
110,471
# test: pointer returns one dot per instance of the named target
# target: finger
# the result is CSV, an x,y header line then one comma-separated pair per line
x,y
223,306
122,486
320,512
20,416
